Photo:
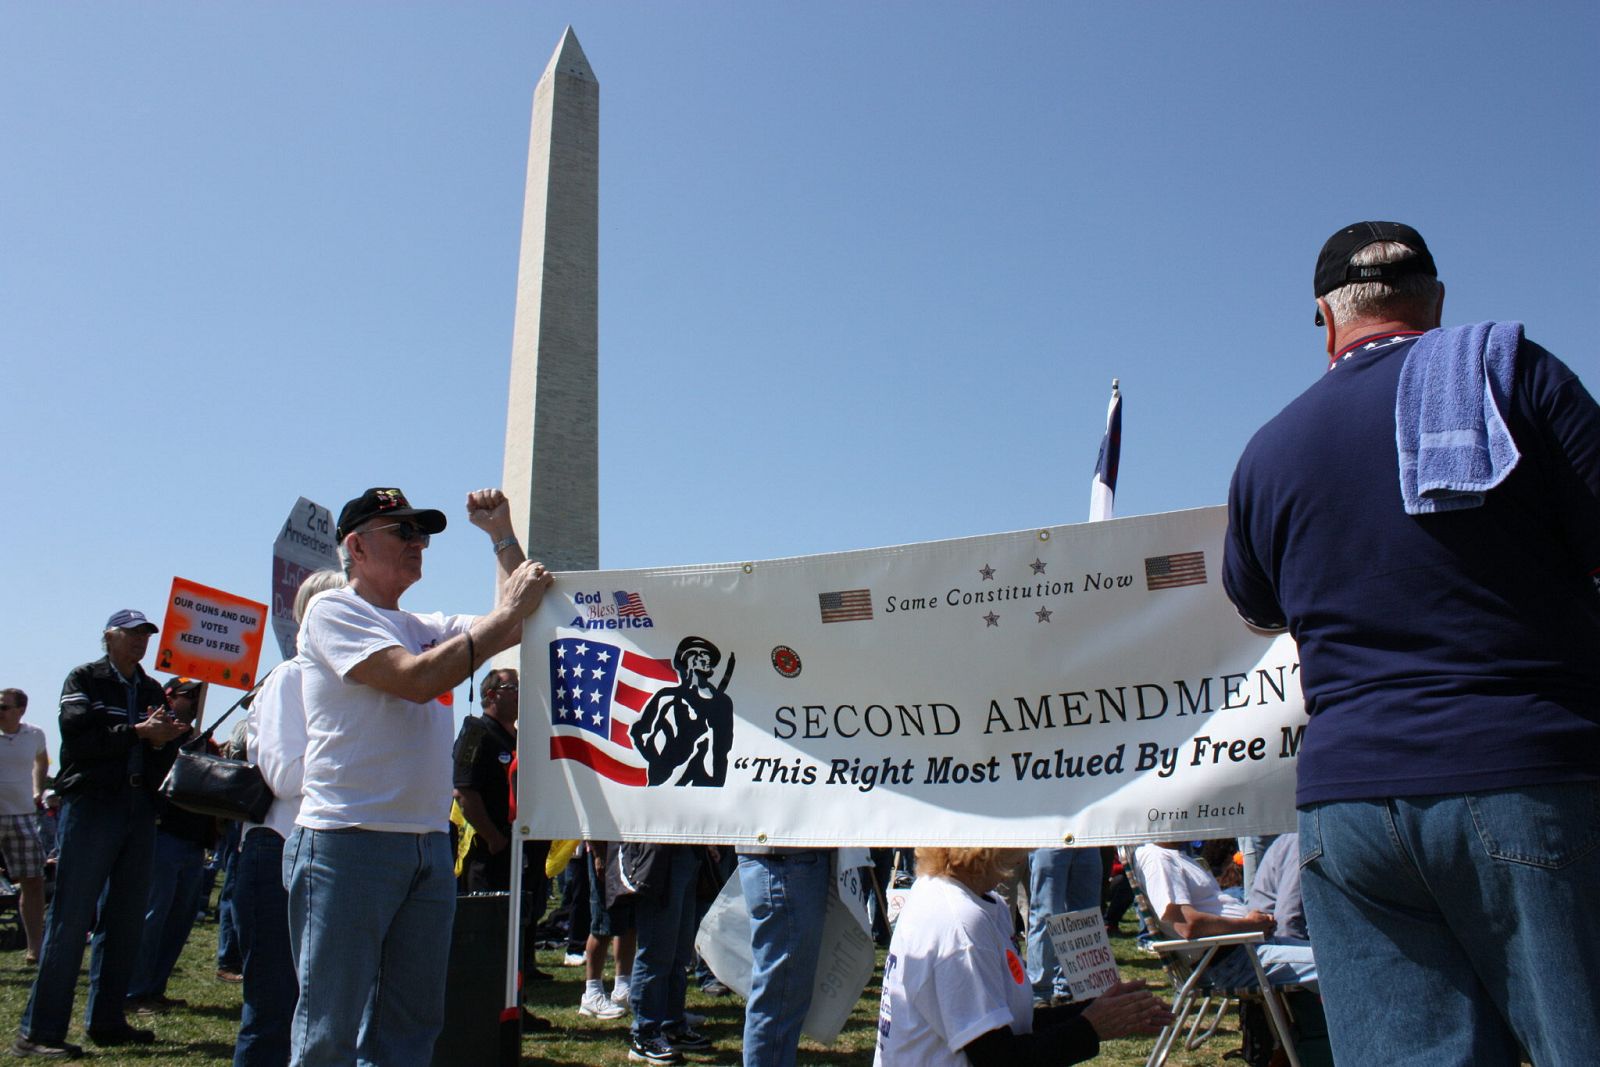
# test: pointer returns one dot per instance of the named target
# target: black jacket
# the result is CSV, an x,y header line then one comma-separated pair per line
x,y
98,745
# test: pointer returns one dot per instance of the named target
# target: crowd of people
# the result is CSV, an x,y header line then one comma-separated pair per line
x,y
1425,522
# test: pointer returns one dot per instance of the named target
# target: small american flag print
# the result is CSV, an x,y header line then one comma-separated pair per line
x,y
1169,572
847,605
630,605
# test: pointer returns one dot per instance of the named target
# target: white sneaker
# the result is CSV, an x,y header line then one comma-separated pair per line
x,y
620,997
599,1006
572,959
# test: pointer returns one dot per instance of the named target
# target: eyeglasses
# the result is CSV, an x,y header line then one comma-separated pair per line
x,y
513,687
403,530
24,707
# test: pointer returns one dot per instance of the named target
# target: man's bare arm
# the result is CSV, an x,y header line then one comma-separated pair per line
x,y
41,771
421,676
1189,921
490,511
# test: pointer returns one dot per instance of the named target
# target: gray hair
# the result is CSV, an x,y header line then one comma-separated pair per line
x,y
1411,296
319,582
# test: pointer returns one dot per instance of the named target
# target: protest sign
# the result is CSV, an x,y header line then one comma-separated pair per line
x,y
1075,685
844,962
852,869
211,635
1084,952
306,544
894,902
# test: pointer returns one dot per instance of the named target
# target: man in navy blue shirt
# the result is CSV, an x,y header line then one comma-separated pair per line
x,y
1449,777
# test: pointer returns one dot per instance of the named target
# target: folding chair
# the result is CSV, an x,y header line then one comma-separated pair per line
x,y
1192,994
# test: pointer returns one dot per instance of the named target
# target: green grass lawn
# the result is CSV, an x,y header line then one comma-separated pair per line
x,y
203,1033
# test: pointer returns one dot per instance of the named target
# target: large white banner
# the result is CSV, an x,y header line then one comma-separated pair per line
x,y
1077,685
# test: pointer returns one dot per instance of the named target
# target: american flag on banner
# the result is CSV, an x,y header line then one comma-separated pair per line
x,y
847,605
630,605
1169,572
597,691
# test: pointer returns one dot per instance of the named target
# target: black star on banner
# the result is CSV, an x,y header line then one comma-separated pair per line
x,y
991,619
1038,565
1043,614
987,572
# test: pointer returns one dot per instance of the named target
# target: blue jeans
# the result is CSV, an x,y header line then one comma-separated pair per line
x,y
105,846
261,905
787,895
1251,849
370,914
1286,961
176,874
1452,929
665,922
1059,880
227,922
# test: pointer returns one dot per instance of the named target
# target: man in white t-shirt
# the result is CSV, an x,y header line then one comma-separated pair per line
x,y
23,767
371,879
1188,902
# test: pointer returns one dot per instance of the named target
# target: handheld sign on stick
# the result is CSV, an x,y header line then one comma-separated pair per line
x,y
305,545
211,635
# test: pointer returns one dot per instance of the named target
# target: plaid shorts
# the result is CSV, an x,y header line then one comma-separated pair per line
x,y
20,844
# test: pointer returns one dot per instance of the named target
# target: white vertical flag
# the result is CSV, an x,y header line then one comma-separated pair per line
x,y
1103,488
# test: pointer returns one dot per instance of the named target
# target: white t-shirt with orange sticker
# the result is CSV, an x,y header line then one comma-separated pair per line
x,y
373,761
951,976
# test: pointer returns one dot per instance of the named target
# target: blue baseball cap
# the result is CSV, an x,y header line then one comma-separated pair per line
x,y
128,619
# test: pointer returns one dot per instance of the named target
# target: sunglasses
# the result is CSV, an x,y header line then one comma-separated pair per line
x,y
405,531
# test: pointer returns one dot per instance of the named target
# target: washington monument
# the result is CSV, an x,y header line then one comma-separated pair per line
x,y
552,458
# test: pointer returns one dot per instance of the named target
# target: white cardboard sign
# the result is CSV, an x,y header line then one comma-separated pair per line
x,y
1084,952
844,965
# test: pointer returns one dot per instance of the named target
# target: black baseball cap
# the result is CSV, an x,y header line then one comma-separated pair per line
x,y
1334,270
390,503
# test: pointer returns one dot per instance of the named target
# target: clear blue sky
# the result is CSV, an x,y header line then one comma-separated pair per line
x,y
866,272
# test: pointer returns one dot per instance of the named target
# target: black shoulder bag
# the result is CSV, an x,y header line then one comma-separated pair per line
x,y
212,785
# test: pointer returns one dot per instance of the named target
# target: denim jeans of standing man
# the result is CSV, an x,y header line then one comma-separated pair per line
x,y
665,922
1059,880
261,905
176,875
786,894
106,845
370,913
227,861
1451,930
